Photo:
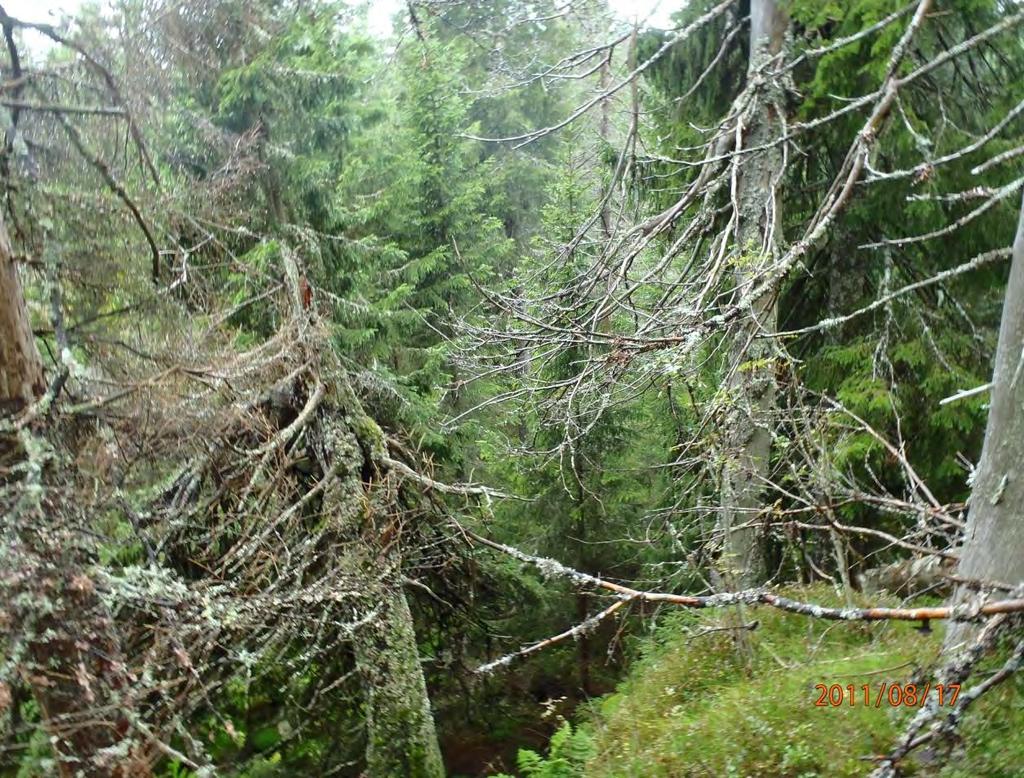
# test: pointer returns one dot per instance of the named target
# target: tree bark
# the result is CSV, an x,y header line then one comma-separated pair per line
x,y
21,369
993,546
401,739
751,382
400,734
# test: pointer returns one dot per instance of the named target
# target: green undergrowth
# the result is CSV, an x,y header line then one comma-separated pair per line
x,y
690,707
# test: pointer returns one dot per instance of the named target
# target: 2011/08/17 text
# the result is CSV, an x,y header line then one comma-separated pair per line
x,y
894,695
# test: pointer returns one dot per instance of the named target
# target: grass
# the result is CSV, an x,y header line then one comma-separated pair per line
x,y
689,706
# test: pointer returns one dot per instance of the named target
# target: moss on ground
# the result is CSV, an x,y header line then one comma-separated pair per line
x,y
689,707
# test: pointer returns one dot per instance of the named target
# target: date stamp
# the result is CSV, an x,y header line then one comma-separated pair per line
x,y
895,695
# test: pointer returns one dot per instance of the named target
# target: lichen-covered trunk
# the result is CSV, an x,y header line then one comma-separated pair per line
x,y
400,735
993,546
401,740
54,624
750,385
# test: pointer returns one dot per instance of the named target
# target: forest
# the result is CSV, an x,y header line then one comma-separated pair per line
x,y
523,389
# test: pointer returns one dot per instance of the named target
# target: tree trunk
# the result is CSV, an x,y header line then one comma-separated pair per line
x,y
400,734
400,727
751,382
21,369
52,618
993,546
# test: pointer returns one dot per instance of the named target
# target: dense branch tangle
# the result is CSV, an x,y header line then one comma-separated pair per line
x,y
282,524
283,538
694,287
667,294
553,569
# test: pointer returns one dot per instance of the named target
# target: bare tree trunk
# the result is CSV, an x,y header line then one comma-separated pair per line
x,y
994,538
751,382
21,369
55,625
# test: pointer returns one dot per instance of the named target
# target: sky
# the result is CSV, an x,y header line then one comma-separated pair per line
x,y
658,11
39,10
381,11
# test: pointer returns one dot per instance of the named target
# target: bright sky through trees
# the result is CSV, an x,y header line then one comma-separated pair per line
x,y
380,14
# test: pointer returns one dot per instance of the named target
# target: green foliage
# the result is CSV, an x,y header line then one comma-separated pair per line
x,y
421,209
568,752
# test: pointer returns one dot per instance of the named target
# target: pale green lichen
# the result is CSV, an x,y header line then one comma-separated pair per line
x,y
400,726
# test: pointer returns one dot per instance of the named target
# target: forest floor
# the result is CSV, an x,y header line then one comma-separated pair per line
x,y
690,706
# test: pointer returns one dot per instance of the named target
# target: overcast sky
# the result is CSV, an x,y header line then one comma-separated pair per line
x,y
381,11
39,10
655,11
